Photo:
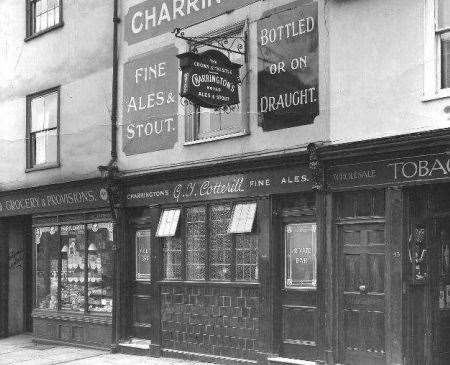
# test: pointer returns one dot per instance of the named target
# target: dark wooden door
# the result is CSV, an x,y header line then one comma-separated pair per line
x,y
144,292
298,296
362,289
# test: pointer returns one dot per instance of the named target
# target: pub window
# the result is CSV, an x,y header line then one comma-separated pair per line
x,y
43,16
212,253
243,218
43,129
74,267
203,124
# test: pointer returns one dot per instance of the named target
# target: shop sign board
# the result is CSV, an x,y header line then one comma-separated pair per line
x,y
150,102
288,66
433,167
257,183
54,199
209,79
155,17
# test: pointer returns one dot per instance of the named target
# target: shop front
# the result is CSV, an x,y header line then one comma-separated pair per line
x,y
224,267
390,236
58,243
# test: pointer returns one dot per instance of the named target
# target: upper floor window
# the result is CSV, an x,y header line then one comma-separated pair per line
x,y
437,49
42,129
443,41
204,124
43,15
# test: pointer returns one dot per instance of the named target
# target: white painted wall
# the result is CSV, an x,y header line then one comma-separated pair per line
x,y
77,57
377,71
258,142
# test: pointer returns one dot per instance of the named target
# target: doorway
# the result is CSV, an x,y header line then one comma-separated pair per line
x,y
361,246
143,298
428,270
298,297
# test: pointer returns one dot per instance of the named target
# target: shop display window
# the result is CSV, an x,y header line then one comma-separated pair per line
x,y
300,255
212,253
74,267
47,262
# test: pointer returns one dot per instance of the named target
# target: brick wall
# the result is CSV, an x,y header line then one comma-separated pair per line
x,y
210,319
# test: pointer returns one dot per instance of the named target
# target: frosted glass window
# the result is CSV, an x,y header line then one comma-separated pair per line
x,y
300,255
220,243
143,248
196,243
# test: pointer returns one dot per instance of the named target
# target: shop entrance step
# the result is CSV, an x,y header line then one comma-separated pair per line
x,y
288,361
139,346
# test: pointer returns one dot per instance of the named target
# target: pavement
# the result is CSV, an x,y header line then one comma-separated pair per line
x,y
22,350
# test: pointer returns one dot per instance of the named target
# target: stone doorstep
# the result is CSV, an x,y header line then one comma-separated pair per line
x,y
288,361
138,343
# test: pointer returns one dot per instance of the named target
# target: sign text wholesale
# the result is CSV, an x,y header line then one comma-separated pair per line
x,y
288,66
150,102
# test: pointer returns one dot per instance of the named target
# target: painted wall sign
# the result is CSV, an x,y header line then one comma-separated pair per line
x,y
150,102
391,172
50,200
154,17
209,79
258,183
288,66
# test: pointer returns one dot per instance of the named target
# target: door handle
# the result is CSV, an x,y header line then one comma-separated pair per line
x,y
362,289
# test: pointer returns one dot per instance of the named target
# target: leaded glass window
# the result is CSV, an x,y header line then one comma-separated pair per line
x,y
205,249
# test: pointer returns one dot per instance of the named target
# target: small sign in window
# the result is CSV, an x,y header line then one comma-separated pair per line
x,y
300,256
168,223
243,218
143,255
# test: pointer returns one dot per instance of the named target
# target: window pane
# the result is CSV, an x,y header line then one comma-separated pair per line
x,y
47,255
143,254
196,243
221,244
300,254
73,267
37,23
100,267
38,7
246,257
44,21
443,13
173,255
44,147
445,60
37,114
57,15
50,110
51,17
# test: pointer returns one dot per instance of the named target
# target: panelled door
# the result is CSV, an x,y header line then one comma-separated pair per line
x,y
298,296
362,292
144,294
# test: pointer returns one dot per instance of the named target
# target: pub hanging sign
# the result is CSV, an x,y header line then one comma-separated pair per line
x,y
209,79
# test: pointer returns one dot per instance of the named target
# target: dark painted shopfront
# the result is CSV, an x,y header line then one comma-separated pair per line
x,y
225,266
388,250
57,263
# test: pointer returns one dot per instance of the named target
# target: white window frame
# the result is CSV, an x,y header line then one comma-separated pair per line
x,y
191,135
432,55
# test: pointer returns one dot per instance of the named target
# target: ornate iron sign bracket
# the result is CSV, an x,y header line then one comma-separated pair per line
x,y
228,43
